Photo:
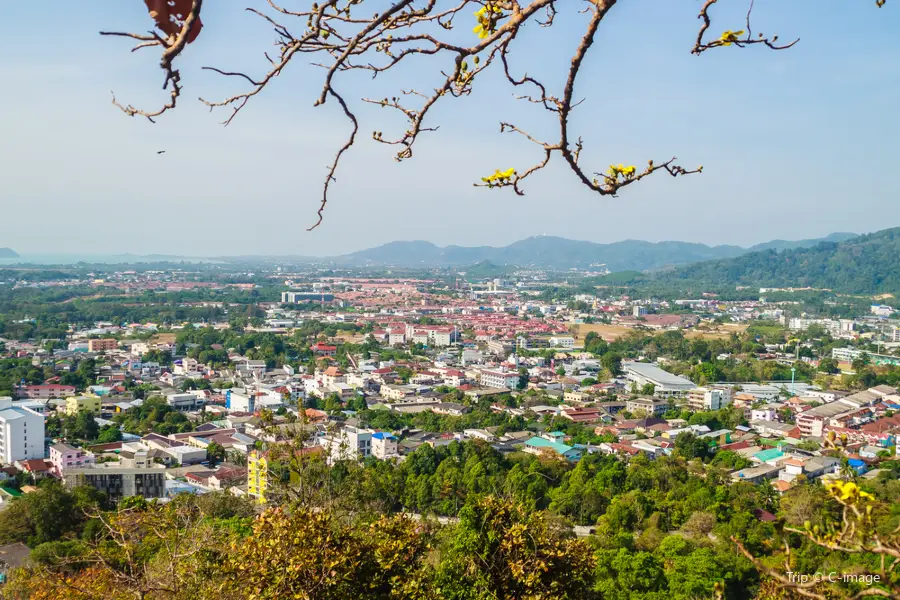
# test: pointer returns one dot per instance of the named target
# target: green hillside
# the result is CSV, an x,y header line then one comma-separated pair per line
x,y
866,264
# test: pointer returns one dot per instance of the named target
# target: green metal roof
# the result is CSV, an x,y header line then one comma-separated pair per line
x,y
767,455
539,442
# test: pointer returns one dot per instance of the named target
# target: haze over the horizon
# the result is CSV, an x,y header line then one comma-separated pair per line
x,y
795,144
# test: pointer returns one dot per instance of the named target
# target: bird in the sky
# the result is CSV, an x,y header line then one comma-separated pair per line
x,y
161,152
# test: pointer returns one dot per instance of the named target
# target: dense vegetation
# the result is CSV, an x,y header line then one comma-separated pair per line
x,y
664,529
863,265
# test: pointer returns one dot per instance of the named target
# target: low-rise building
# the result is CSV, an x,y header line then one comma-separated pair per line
x,y
647,406
384,445
499,379
88,403
665,384
64,457
102,345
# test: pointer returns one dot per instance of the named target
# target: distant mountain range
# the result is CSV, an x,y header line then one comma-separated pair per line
x,y
865,264
8,253
561,253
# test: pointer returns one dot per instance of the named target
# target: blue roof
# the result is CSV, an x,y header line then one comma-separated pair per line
x,y
556,433
767,455
539,442
380,435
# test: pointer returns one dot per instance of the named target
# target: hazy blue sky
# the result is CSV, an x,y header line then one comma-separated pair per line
x,y
794,144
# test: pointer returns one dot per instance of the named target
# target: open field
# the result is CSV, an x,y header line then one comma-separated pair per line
x,y
614,332
607,332
721,332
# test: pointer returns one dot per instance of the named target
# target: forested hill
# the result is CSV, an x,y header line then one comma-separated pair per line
x,y
866,264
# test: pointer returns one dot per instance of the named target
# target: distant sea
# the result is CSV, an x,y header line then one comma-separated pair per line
x,y
106,259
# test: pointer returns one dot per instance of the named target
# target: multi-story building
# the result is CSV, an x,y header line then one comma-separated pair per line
x,y
347,443
119,482
851,354
102,345
43,392
703,398
499,379
532,343
89,403
185,401
321,349
257,475
21,433
64,457
294,297
647,406
384,445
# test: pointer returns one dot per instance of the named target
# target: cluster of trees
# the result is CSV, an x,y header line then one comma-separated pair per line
x,y
16,371
862,265
153,416
668,528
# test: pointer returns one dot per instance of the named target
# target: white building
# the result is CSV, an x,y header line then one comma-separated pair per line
x,y
185,401
881,310
384,445
21,432
709,398
499,379
565,341
347,443
665,384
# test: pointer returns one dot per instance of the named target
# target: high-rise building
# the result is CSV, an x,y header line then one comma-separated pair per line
x,y
257,475
21,433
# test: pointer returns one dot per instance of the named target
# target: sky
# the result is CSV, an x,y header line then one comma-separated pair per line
x,y
795,144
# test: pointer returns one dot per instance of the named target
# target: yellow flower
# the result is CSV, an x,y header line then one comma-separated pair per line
x,y
499,176
730,36
487,17
620,169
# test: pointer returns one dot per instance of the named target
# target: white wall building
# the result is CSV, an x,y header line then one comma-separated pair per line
x,y
384,445
347,443
563,341
499,379
666,385
21,432
709,398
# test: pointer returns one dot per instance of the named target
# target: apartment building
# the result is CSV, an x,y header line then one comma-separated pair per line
x,y
646,405
499,379
384,445
21,433
102,345
119,482
43,392
257,475
89,403
705,399
347,443
64,457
